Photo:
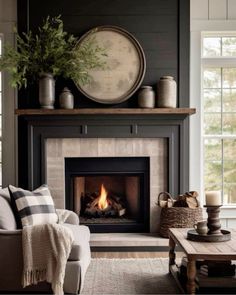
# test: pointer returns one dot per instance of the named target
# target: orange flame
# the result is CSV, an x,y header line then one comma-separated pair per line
x,y
102,203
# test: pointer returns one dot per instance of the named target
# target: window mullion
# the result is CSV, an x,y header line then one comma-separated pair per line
x,y
222,171
219,61
221,50
209,136
222,148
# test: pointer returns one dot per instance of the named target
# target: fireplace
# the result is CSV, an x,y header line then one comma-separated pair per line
x,y
162,138
110,194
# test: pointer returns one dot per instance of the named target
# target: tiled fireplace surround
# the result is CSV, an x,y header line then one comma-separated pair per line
x,y
59,149
51,139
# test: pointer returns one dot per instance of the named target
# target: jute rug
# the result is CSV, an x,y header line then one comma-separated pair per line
x,y
129,276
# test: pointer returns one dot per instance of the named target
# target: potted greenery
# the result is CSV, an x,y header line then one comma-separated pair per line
x,y
50,53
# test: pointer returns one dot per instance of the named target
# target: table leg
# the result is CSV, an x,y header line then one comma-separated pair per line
x,y
171,252
191,274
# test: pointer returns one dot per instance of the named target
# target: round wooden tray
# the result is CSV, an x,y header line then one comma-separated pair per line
x,y
194,236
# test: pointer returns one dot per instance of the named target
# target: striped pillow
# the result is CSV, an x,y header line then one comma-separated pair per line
x,y
31,208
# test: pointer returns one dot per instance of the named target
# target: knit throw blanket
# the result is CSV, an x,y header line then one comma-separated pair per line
x,y
46,249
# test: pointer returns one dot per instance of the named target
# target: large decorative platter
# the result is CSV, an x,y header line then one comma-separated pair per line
x,y
124,69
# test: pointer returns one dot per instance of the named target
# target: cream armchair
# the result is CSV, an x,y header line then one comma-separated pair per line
x,y
11,262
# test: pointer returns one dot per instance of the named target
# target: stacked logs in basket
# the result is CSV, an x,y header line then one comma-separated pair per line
x,y
189,200
182,212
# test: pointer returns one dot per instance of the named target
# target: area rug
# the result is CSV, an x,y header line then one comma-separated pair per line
x,y
129,276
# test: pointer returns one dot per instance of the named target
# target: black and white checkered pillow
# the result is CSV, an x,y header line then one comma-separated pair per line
x,y
31,208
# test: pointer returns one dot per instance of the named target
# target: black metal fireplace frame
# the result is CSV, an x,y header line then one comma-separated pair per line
x,y
140,166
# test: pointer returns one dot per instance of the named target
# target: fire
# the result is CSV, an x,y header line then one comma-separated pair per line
x,y
102,203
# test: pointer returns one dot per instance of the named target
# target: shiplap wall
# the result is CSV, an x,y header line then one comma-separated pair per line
x,y
8,10
8,19
213,10
154,23
206,15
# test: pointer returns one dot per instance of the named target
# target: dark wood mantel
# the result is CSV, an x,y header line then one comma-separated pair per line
x,y
108,111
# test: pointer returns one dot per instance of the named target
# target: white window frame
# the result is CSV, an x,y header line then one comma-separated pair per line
x,y
196,121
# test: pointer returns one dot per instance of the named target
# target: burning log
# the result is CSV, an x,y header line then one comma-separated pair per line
x,y
103,205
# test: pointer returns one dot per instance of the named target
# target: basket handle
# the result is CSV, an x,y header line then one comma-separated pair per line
x,y
165,195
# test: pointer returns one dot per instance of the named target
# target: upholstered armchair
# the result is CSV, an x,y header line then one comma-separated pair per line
x,y
11,259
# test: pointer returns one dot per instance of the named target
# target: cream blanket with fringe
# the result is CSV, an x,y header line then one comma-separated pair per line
x,y
46,249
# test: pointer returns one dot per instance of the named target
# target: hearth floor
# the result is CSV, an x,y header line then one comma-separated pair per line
x,y
127,240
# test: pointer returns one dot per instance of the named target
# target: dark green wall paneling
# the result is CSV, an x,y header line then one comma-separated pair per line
x,y
161,27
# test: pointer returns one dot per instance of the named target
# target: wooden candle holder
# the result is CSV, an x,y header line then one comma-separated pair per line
x,y
213,220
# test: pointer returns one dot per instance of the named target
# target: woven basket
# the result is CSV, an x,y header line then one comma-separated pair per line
x,y
177,217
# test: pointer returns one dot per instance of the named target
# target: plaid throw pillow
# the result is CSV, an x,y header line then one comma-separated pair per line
x,y
31,208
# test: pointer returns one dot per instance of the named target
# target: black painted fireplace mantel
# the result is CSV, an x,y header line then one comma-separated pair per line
x,y
36,126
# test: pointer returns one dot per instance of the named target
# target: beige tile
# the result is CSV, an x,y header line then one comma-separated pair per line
x,y
54,147
157,164
56,183
55,168
152,147
71,147
89,147
148,146
58,196
155,191
124,147
157,171
139,147
106,147
155,181
160,169
162,147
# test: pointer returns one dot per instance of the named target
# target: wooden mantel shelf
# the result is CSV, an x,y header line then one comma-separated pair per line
x,y
108,111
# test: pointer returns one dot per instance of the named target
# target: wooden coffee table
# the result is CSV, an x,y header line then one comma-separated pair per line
x,y
198,250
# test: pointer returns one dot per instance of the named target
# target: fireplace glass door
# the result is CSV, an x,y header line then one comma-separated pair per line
x,y
109,194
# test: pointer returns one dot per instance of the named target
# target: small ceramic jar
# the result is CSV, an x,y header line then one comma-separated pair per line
x,y
146,97
166,92
66,99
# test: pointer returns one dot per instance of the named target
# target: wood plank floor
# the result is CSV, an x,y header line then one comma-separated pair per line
x,y
132,254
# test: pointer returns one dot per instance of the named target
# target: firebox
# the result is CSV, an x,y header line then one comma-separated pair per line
x,y
110,194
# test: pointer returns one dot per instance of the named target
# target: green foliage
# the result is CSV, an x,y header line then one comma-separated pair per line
x,y
51,50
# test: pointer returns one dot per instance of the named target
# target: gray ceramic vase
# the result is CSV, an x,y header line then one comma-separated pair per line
x,y
46,91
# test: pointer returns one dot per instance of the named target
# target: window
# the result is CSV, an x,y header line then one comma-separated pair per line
x,y
219,114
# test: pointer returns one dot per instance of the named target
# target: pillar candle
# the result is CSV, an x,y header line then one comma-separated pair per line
x,y
213,198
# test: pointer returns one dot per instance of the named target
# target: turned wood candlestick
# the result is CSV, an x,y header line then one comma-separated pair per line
x,y
213,220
